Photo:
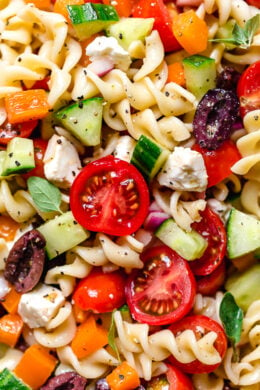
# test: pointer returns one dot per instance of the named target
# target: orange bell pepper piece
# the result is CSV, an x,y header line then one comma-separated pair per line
x,y
123,377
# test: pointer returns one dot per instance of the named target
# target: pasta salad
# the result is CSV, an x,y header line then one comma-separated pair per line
x,y
129,194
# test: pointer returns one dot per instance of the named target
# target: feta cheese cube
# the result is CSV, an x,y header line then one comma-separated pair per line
x,y
108,47
124,148
61,162
40,305
4,286
184,170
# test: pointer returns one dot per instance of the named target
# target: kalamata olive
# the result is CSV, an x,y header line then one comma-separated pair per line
x,y
101,384
66,381
228,79
214,117
24,264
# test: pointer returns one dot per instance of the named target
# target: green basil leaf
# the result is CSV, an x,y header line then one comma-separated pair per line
x,y
45,195
242,36
112,335
232,317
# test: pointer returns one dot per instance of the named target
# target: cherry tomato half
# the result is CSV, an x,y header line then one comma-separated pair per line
x,y
210,284
162,21
219,162
200,325
248,89
173,379
9,131
40,146
100,292
110,195
213,230
163,291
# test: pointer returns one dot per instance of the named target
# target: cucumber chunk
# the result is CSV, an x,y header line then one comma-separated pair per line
x,y
148,157
61,234
243,234
8,381
190,245
90,18
19,156
83,119
128,30
244,286
200,74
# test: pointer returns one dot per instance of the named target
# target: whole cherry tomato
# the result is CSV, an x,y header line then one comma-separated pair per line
x,y
100,292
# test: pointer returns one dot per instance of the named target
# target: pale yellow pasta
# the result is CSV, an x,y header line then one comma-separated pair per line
x,y
124,252
250,197
93,366
207,381
208,306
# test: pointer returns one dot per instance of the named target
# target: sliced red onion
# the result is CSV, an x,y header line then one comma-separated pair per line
x,y
155,219
101,66
154,207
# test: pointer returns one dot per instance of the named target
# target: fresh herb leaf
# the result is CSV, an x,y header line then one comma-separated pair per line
x,y
242,36
231,316
111,336
45,195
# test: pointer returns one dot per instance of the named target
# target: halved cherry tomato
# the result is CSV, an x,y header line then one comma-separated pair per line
x,y
163,291
200,325
210,284
248,89
40,146
100,292
173,379
219,162
111,196
9,131
213,230
162,21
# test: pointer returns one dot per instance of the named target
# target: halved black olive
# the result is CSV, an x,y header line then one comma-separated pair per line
x,y
215,115
66,381
24,264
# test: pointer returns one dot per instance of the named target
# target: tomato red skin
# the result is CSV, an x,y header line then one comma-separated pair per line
x,y
187,286
177,379
106,223
210,284
219,162
40,146
42,84
248,89
162,21
213,230
100,292
23,130
255,3
193,322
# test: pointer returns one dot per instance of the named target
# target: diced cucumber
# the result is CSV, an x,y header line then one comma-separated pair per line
x,y
190,245
90,18
244,286
19,156
83,119
8,381
200,74
243,234
61,234
128,30
148,157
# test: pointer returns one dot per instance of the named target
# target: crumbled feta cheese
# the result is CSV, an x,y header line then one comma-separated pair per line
x,y
184,170
61,162
4,286
124,148
40,305
108,47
